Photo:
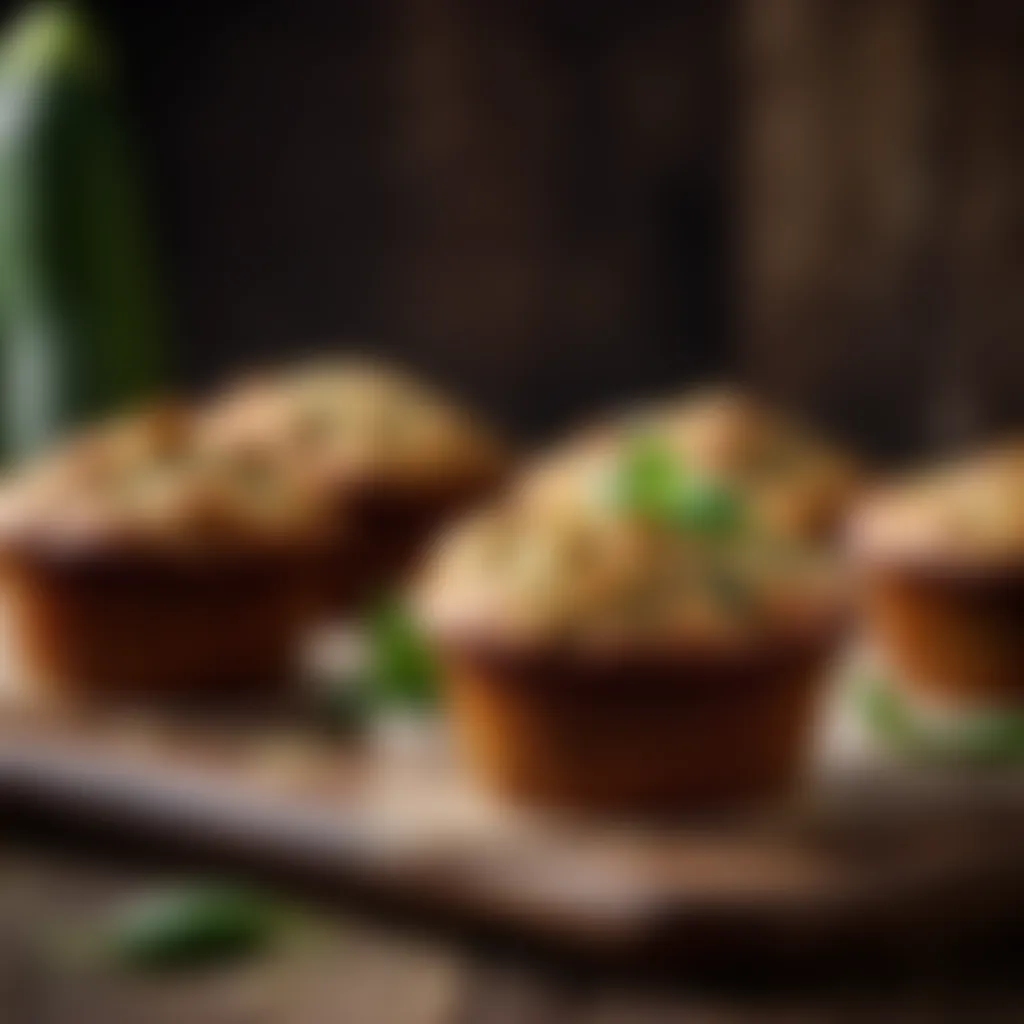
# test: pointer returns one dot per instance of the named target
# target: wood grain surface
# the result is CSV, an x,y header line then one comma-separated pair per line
x,y
865,864
361,971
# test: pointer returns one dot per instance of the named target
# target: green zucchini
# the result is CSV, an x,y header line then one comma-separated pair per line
x,y
81,321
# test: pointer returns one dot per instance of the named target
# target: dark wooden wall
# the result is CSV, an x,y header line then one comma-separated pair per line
x,y
526,197
556,203
883,187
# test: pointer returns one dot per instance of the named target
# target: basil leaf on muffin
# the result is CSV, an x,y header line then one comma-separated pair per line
x,y
653,482
646,480
705,507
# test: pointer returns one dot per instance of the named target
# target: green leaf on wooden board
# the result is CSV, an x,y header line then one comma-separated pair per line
x,y
191,926
990,736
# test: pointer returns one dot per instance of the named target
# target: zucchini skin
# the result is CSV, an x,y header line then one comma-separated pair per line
x,y
81,322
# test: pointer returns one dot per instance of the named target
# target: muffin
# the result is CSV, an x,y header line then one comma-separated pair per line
x,y
389,458
135,563
793,482
941,557
602,660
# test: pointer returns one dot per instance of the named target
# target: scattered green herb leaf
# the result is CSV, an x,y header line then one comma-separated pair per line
x,y
193,926
653,482
401,669
645,479
988,736
705,507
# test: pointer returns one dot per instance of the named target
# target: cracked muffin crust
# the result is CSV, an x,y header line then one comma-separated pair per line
x,y
390,457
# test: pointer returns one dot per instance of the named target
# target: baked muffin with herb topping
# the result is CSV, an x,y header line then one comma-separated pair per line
x,y
656,650
790,480
942,562
137,562
389,457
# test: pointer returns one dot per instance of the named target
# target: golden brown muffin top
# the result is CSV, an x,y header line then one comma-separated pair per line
x,y
970,512
795,483
350,420
148,480
607,576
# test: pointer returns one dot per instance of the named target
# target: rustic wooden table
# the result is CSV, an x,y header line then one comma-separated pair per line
x,y
357,968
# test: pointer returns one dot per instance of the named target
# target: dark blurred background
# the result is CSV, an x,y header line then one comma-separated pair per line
x,y
555,204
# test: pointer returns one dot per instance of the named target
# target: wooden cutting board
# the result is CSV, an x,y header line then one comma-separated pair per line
x,y
872,858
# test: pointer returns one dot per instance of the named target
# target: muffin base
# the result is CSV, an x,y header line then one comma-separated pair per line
x,y
137,626
633,734
955,635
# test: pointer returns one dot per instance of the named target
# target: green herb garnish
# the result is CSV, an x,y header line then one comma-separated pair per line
x,y
645,479
395,668
652,482
401,669
705,507
988,736
193,926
